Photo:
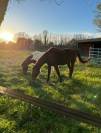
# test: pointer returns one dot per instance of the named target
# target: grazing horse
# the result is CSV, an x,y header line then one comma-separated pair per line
x,y
54,57
31,59
26,62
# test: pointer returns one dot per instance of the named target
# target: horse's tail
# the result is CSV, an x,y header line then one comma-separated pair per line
x,y
80,59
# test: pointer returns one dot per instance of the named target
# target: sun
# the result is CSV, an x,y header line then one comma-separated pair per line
x,y
6,36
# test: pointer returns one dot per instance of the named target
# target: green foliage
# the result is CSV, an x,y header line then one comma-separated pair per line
x,y
82,92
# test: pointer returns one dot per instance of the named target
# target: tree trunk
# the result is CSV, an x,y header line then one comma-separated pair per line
x,y
3,8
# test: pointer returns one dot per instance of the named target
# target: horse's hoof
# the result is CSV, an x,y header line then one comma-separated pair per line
x,y
60,80
70,77
31,82
47,81
25,73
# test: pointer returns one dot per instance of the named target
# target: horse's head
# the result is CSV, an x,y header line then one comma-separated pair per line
x,y
26,63
24,67
35,72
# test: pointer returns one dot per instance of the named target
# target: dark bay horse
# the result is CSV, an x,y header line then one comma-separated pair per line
x,y
26,63
54,57
31,59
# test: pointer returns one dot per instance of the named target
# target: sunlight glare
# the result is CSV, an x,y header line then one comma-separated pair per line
x,y
6,36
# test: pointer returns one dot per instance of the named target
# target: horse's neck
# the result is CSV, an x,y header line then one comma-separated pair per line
x,y
41,61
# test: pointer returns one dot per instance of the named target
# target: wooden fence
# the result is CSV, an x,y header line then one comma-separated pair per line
x,y
51,106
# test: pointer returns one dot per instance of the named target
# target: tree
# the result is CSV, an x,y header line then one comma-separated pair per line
x,y
3,8
45,37
97,19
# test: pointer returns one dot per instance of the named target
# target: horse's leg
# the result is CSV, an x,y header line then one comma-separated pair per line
x,y
71,68
69,65
58,72
49,72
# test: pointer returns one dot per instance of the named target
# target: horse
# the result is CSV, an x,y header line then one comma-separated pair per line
x,y
55,57
31,59
26,63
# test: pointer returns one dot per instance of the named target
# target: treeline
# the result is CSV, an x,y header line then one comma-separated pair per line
x,y
42,41
28,44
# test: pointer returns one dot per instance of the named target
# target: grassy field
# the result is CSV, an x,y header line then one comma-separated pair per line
x,y
82,92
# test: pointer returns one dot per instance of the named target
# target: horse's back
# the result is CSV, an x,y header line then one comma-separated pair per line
x,y
56,56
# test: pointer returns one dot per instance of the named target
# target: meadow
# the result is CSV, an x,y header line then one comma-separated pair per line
x,y
82,92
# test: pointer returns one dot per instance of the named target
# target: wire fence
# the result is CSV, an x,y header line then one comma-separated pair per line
x,y
95,55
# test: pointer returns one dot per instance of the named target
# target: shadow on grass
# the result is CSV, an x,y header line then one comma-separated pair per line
x,y
73,91
3,81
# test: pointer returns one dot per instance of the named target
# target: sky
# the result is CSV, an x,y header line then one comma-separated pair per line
x,y
34,16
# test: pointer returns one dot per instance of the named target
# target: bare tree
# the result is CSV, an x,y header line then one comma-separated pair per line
x,y
45,37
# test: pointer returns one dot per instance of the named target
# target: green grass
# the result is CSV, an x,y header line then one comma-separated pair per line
x,y
82,92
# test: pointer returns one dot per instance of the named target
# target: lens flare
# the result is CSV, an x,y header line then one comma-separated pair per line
x,y
6,36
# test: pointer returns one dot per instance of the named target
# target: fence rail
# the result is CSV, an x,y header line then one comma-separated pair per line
x,y
51,106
